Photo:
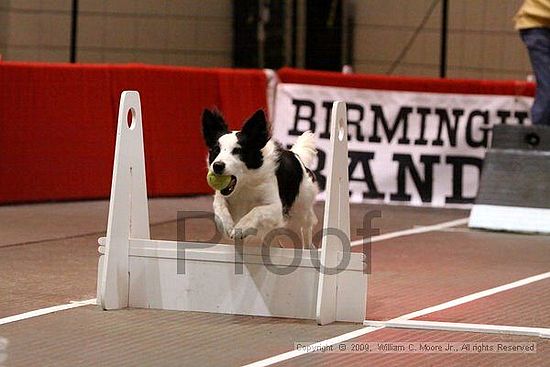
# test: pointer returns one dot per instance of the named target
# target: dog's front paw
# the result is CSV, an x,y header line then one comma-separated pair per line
x,y
227,231
224,227
238,233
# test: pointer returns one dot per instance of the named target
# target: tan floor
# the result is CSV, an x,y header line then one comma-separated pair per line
x,y
48,256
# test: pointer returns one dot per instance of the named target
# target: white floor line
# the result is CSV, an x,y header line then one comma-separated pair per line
x,y
416,230
369,329
473,297
298,352
45,311
460,326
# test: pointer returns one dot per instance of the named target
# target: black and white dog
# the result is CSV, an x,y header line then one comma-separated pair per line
x,y
271,187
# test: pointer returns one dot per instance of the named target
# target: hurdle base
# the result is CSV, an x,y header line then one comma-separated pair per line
x,y
220,279
510,218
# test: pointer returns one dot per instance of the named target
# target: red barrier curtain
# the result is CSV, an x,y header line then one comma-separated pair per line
x,y
413,84
58,123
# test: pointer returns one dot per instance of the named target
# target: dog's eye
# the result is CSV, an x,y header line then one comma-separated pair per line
x,y
236,151
215,150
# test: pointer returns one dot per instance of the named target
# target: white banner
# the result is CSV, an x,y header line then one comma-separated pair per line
x,y
405,147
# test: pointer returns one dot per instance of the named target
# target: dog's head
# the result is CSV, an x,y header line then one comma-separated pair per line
x,y
234,153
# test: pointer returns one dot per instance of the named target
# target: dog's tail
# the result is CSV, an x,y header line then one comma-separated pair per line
x,y
305,148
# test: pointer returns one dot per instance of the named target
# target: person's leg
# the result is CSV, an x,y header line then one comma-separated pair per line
x,y
537,41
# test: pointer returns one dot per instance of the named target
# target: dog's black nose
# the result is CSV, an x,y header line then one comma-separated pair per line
x,y
218,167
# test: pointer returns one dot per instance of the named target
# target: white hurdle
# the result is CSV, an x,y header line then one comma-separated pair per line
x,y
135,271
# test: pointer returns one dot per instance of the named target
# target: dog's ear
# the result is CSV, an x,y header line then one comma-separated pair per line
x,y
213,126
255,132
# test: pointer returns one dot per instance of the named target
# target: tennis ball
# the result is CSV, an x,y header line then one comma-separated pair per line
x,y
217,182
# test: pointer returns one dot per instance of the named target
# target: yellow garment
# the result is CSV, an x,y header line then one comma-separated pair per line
x,y
533,14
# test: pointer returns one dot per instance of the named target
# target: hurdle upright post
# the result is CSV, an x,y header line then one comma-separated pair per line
x,y
336,216
128,208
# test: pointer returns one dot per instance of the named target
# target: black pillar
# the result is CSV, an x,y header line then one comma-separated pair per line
x,y
74,21
443,50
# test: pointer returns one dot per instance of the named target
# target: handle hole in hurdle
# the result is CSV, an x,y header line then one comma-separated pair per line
x,y
532,139
131,118
341,129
